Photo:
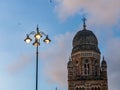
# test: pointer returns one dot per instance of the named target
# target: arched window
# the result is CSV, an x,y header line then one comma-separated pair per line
x,y
86,67
95,88
83,88
92,88
95,70
98,88
76,88
80,88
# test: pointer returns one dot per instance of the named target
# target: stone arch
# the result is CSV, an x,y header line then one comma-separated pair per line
x,y
86,66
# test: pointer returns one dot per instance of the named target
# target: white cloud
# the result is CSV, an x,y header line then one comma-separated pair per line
x,y
113,60
21,63
56,58
101,11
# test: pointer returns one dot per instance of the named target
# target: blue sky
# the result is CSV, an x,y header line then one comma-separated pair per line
x,y
61,19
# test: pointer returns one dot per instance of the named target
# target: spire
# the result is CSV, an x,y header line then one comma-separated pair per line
x,y
103,62
69,58
103,59
84,24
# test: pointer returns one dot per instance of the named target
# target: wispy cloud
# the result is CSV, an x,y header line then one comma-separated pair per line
x,y
104,11
113,60
19,64
56,57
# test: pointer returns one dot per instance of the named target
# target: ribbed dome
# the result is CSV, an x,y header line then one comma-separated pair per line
x,y
85,37
85,40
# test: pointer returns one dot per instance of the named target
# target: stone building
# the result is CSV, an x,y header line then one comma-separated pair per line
x,y
85,70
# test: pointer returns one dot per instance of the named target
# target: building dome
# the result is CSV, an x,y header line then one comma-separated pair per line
x,y
85,37
85,40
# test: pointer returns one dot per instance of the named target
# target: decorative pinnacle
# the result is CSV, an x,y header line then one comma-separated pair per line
x,y
84,24
69,58
103,58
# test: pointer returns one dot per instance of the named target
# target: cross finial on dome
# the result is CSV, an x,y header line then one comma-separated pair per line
x,y
84,24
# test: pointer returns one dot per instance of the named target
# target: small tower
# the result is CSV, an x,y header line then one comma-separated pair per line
x,y
70,69
104,74
104,69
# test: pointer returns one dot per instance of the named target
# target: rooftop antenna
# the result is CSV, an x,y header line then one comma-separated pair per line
x,y
84,24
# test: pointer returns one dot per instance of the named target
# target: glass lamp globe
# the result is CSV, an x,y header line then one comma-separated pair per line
x,y
47,40
28,39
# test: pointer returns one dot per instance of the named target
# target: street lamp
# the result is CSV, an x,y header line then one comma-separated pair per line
x,y
37,36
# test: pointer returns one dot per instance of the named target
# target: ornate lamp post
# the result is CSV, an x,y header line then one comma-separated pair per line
x,y
37,36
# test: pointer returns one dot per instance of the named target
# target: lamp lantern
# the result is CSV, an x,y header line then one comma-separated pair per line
x,y
28,39
47,40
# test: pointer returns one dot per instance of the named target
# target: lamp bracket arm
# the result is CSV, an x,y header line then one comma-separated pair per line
x,y
43,33
33,32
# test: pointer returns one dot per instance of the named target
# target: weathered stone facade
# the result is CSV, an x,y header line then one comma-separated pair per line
x,y
85,71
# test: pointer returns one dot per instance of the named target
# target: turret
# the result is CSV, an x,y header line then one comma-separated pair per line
x,y
70,69
104,69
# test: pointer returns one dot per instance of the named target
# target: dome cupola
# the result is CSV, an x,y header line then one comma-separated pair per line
x,y
85,40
